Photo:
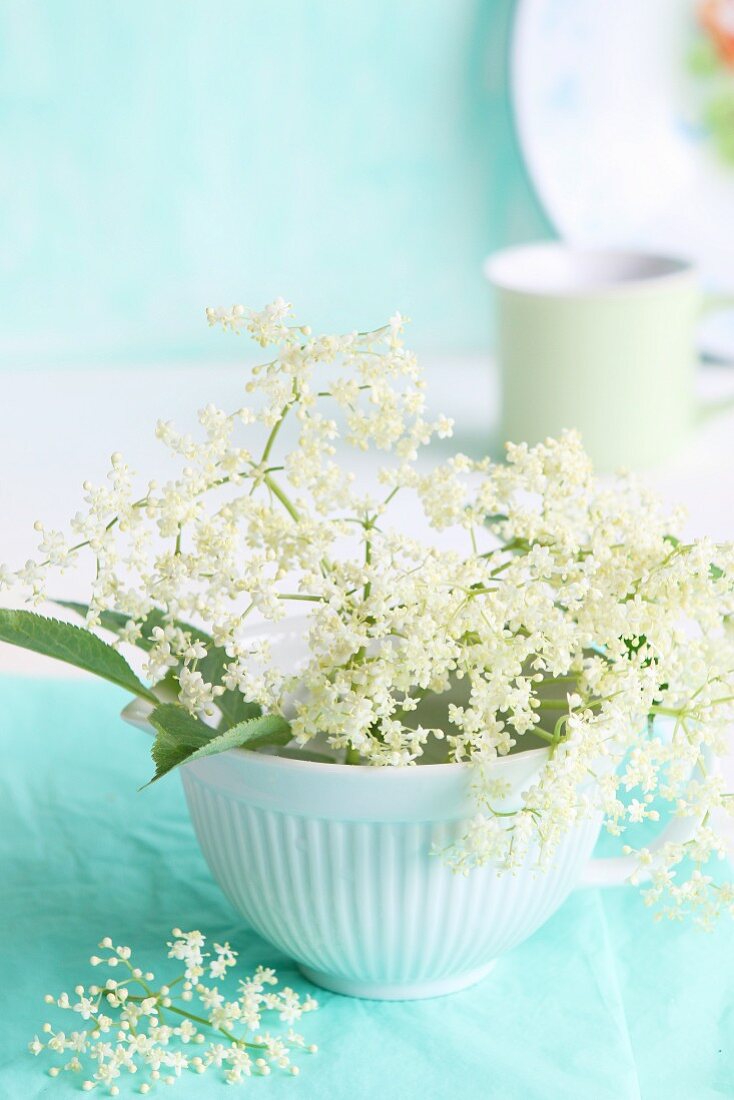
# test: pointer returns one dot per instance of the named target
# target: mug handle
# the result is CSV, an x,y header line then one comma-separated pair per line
x,y
616,870
715,303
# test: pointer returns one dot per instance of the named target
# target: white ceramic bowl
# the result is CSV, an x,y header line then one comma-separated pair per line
x,y
333,864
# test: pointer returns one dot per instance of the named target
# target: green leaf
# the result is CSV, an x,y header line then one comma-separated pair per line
x,y
232,704
268,729
182,737
72,644
235,709
306,754
116,621
178,734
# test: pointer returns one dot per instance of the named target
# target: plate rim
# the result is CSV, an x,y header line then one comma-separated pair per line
x,y
523,13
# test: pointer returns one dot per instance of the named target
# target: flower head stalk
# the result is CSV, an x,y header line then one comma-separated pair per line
x,y
130,1025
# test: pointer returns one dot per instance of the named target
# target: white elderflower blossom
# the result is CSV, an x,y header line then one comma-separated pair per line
x,y
576,617
162,1052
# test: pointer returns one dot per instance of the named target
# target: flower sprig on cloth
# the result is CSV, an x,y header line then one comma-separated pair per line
x,y
128,1025
540,607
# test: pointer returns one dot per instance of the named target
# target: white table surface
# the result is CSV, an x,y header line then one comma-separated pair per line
x,y
59,428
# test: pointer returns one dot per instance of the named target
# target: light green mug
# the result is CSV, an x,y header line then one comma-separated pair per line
x,y
603,341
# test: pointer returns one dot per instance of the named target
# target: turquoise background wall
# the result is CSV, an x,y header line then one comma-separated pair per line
x,y
159,156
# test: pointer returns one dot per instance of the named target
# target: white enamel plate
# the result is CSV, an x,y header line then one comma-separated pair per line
x,y
625,112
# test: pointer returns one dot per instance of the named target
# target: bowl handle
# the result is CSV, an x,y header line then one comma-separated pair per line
x,y
616,870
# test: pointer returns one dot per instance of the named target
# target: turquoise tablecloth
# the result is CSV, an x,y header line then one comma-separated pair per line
x,y
601,1004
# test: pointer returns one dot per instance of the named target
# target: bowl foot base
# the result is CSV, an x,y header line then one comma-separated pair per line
x,y
396,991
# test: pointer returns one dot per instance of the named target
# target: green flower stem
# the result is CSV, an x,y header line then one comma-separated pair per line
x,y
551,704
367,561
276,490
196,1019
501,568
113,523
274,431
184,1012
150,992
300,596
207,1023
328,393
544,736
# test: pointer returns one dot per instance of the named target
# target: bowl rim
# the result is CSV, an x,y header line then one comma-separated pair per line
x,y
136,713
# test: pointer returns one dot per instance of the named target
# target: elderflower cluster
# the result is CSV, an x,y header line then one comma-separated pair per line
x,y
127,1026
566,613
